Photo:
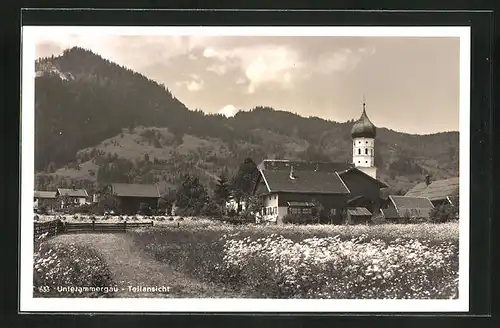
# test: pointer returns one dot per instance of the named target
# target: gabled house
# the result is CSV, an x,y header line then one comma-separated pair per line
x,y
439,192
73,196
297,187
45,199
129,197
407,207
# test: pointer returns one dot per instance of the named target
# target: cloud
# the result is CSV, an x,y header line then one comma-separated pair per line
x,y
261,64
228,110
342,60
219,69
195,83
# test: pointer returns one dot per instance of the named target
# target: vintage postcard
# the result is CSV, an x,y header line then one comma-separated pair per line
x,y
245,169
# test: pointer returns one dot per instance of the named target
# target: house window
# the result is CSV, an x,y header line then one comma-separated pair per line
x,y
333,211
367,142
366,162
359,162
275,210
307,210
359,151
366,151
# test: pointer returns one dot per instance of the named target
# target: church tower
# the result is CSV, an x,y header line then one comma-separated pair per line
x,y
363,144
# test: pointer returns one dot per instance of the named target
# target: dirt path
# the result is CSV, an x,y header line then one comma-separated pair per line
x,y
131,268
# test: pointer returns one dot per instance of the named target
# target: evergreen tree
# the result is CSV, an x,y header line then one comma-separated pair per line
x,y
191,195
221,192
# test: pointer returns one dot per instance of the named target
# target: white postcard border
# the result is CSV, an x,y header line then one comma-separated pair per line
x,y
30,304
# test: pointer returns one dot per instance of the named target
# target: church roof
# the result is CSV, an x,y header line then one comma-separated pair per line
x,y
314,182
363,127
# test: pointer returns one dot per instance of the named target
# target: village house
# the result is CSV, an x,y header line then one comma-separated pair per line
x,y
130,197
44,199
71,197
348,192
439,192
407,207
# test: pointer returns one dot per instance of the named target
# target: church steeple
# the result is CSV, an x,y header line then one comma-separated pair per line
x,y
363,144
363,128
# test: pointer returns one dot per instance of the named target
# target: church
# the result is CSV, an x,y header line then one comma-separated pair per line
x,y
347,192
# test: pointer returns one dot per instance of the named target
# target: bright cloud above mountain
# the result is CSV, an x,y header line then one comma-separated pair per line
x,y
317,76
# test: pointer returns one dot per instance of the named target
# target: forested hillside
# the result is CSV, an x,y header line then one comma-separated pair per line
x,y
98,122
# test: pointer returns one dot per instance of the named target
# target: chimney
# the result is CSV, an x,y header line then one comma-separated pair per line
x,y
427,179
291,173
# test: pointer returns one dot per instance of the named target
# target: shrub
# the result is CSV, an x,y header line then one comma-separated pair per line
x,y
443,213
299,219
69,271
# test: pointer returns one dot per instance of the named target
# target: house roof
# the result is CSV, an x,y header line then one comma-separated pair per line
x,y
439,189
45,194
284,164
313,182
135,190
300,204
410,202
358,211
412,206
72,192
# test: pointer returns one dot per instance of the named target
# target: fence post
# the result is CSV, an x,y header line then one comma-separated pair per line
x,y
125,225
93,224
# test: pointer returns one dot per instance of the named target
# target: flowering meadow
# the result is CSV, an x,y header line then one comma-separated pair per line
x,y
343,262
69,271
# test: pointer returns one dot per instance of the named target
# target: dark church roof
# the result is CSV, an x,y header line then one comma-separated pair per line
x,y
135,190
363,127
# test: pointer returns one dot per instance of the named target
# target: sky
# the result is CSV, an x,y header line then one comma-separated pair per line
x,y
410,84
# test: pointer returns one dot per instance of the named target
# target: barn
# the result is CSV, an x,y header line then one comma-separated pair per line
x,y
297,188
129,197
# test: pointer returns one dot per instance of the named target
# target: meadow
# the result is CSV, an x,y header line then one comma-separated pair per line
x,y
417,261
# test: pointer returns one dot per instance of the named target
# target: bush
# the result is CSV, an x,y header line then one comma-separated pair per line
x,y
443,213
299,219
80,268
145,209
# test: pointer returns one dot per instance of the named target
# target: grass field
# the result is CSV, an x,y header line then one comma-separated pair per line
x,y
383,261
203,258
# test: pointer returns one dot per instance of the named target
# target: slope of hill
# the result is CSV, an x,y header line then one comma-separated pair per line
x,y
93,117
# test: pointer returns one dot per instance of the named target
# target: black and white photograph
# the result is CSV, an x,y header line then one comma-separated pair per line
x,y
245,169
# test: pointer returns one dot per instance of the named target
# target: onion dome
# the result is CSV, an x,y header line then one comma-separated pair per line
x,y
363,128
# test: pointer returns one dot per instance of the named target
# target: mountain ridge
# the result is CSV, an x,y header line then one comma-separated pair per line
x,y
83,101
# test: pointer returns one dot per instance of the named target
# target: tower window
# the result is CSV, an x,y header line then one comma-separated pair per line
x,y
366,151
359,162
366,141
359,151
366,162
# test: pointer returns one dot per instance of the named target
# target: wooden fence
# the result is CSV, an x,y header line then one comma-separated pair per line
x,y
55,227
